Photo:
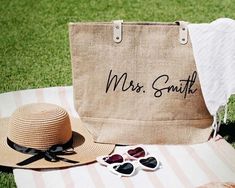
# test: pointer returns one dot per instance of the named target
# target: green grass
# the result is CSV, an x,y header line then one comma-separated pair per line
x,y
6,178
34,48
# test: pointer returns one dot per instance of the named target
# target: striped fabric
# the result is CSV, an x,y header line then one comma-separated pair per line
x,y
182,166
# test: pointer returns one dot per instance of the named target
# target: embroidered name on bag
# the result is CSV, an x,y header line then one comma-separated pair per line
x,y
185,86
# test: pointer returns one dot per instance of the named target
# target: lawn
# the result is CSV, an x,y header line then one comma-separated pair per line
x,y
34,47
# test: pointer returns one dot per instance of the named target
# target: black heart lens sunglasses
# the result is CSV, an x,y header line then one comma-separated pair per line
x,y
127,163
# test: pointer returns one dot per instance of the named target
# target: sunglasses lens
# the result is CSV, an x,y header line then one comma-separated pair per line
x,y
150,162
137,152
126,168
113,159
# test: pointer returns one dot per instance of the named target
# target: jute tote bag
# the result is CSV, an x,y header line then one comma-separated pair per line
x,y
137,83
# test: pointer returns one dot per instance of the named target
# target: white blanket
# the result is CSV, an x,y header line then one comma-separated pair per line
x,y
214,52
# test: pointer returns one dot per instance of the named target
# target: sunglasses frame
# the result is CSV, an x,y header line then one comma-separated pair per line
x,y
101,160
126,156
148,168
111,169
135,147
136,164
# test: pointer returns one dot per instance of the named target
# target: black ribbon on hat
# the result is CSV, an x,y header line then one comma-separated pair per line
x,y
50,154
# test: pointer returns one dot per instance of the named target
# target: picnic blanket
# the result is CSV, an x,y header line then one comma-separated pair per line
x,y
182,165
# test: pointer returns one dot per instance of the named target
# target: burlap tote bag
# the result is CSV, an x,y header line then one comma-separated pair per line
x,y
137,83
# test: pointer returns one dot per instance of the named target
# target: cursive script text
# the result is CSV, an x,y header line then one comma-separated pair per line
x,y
185,87
160,85
123,83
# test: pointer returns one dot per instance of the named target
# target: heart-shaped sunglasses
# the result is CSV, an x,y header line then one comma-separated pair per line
x,y
132,153
120,164
128,168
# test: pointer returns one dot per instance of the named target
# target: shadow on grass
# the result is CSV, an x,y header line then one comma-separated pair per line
x,y
228,132
7,177
6,169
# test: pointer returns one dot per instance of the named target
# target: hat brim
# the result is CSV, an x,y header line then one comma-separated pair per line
x,y
86,150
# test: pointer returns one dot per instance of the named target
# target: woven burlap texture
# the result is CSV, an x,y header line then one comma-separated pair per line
x,y
146,54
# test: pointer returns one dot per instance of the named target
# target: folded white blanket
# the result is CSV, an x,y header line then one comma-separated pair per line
x,y
214,52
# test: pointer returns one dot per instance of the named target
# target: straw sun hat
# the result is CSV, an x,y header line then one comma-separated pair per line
x,y
42,135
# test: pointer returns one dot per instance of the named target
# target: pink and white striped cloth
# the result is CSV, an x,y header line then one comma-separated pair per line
x,y
182,165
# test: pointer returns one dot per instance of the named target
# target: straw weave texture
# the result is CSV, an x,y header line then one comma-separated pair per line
x,y
42,125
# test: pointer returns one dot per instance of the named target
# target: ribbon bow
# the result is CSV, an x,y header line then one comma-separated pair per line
x,y
50,154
